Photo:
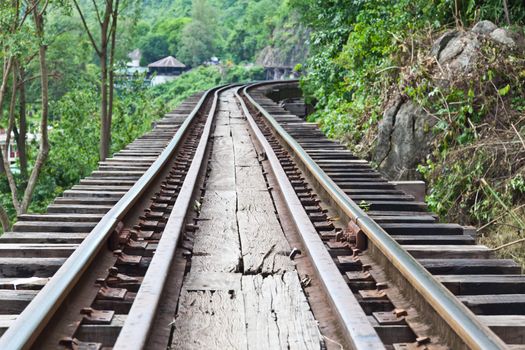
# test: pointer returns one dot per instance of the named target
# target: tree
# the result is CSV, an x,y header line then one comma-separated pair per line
x,y
105,50
16,40
199,37
154,47
21,131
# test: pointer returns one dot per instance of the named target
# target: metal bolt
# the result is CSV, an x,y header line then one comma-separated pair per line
x,y
294,252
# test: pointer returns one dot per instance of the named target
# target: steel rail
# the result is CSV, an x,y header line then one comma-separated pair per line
x,y
355,325
460,319
135,332
30,323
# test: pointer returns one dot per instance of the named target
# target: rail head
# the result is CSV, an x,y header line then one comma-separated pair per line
x,y
30,323
461,320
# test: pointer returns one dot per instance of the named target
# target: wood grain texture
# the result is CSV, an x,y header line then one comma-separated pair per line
x,y
263,244
245,154
248,177
212,281
277,313
222,174
255,200
510,328
210,320
217,247
222,130
264,248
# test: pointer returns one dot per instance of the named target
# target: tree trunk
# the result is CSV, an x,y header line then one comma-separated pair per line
x,y
8,62
506,10
5,151
106,91
3,90
114,15
2,168
105,131
44,142
4,219
22,131
104,135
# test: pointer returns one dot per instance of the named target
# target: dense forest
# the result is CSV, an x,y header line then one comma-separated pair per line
x,y
359,59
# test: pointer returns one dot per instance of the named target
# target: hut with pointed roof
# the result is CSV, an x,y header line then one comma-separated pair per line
x,y
167,66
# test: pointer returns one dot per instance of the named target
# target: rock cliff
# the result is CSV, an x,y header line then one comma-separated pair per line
x,y
405,132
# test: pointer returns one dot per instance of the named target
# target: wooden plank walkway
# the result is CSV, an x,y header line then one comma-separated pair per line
x,y
242,291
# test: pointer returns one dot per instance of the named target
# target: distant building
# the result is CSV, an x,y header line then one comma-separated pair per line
x,y
12,153
132,68
167,66
165,70
135,57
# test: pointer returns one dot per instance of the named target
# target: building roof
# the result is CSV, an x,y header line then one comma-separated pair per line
x,y
167,62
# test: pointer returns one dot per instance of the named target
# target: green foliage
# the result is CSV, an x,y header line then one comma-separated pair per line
x,y
155,26
15,39
353,53
198,44
494,11
74,135
75,128
254,28
162,40
199,79
237,74
154,47
194,31
357,48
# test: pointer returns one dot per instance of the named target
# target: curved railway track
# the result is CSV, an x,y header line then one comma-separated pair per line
x,y
104,267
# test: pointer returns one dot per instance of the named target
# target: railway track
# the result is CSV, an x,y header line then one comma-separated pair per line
x,y
389,244
109,264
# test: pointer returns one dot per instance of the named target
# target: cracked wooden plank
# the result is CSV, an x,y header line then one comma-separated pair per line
x,y
263,246
217,246
222,164
278,315
255,201
210,320
245,154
